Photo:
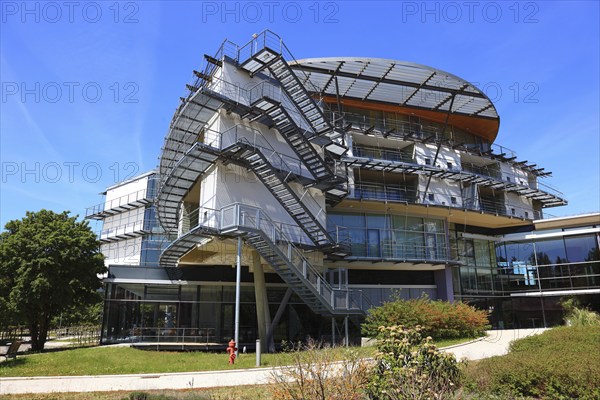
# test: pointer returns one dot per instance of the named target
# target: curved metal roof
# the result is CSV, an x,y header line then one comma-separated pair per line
x,y
396,82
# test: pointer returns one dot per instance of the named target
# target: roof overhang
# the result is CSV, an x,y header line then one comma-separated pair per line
x,y
407,87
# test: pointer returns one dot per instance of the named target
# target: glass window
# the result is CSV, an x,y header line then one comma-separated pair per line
x,y
550,252
582,248
162,292
210,293
377,221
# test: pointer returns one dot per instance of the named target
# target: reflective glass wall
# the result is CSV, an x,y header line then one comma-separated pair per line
x,y
201,314
522,282
396,237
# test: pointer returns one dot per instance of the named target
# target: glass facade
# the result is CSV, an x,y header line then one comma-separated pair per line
x,y
515,279
394,237
201,313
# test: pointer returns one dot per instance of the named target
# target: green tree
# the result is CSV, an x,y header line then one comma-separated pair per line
x,y
49,263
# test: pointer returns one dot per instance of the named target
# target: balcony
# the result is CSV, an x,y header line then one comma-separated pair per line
x,y
125,231
120,204
398,245
382,154
403,194
372,191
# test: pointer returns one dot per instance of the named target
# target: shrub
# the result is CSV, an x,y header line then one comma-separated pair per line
x,y
314,374
410,367
562,363
438,319
576,315
582,317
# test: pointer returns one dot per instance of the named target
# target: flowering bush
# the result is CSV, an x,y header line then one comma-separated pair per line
x,y
409,366
438,319
315,374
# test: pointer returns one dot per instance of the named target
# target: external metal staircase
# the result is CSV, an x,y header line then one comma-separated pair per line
x,y
187,154
276,246
276,180
294,136
267,51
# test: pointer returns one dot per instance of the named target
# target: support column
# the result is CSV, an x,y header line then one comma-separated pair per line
x,y
238,278
443,281
333,331
347,336
263,315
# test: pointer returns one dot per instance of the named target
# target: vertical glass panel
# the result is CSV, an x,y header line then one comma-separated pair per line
x,y
582,248
550,251
354,220
398,222
373,243
414,224
482,253
210,293
377,221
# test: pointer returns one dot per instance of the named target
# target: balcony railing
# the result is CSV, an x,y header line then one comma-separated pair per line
x,y
373,191
382,153
130,229
119,204
469,168
394,127
398,244
403,194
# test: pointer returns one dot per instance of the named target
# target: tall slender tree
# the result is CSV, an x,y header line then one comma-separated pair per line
x,y
49,263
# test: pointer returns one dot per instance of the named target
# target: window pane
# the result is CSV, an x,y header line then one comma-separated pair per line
x,y
582,248
550,251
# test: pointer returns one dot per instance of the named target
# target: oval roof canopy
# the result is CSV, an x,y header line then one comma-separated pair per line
x,y
406,86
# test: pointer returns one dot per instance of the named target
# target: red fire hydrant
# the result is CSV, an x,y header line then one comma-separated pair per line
x,y
231,350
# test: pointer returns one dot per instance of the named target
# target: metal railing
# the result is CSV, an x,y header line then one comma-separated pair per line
x,y
373,191
405,194
468,168
398,244
382,154
395,127
127,199
283,239
133,228
205,336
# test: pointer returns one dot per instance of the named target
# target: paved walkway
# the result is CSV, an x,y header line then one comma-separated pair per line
x,y
496,343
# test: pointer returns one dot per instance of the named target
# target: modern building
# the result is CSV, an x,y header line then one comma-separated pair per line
x,y
130,234
336,183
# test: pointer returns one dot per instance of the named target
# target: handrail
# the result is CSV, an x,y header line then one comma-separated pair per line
x,y
238,216
118,202
269,39
129,227
399,193
393,244
254,218
471,169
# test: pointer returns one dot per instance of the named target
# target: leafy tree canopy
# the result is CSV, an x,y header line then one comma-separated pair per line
x,y
49,263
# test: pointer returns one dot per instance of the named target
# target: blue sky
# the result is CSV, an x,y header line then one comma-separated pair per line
x,y
89,88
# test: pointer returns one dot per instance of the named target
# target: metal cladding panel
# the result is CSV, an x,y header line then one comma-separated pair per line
x,y
360,89
490,112
318,80
376,70
353,67
427,98
432,86
343,84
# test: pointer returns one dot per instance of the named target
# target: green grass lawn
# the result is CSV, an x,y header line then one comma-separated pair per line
x,y
108,360
126,360
562,363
